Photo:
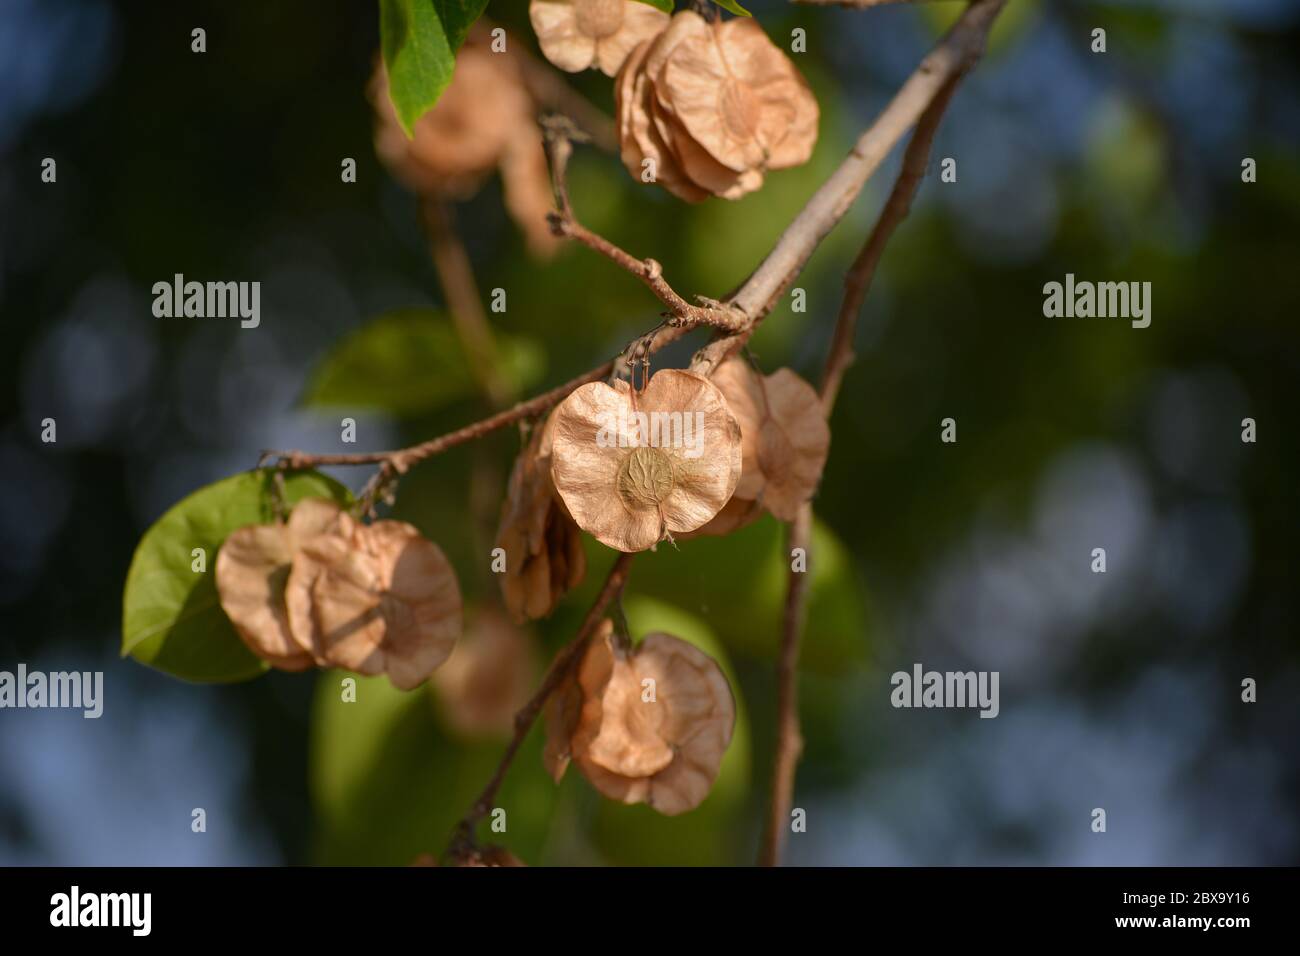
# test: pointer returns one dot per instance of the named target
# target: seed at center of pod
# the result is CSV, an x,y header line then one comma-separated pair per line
x,y
598,18
739,109
645,477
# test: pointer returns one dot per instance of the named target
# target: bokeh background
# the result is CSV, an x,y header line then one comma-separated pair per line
x,y
1118,690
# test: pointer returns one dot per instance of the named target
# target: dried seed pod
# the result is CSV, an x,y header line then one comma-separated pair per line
x,y
654,721
543,547
736,514
577,34
488,676
785,438
375,599
636,467
715,105
484,120
251,572
740,97
640,139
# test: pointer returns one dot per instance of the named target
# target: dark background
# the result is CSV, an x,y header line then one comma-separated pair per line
x,y
1119,691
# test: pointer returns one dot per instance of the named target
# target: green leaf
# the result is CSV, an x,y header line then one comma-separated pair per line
x,y
410,362
419,39
665,5
171,616
733,7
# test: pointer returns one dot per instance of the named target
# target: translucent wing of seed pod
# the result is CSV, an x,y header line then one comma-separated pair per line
x,y
629,489
739,97
577,34
690,717
251,569
543,547
736,514
615,732
488,676
785,438
743,390
562,41
696,164
694,161
640,22
251,572
639,139
796,440
384,600
564,707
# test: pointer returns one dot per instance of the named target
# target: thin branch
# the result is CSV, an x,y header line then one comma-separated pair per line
x,y
789,739
955,53
760,292
559,138
789,745
463,836
402,459
857,281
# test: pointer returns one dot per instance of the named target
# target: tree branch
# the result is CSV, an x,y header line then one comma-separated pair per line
x,y
857,282
560,136
789,739
954,54
463,835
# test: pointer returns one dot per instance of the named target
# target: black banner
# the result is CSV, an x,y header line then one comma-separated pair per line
x,y
340,905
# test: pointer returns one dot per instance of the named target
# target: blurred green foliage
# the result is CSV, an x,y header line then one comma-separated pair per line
x,y
412,361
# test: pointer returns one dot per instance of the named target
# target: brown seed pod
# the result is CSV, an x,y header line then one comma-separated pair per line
x,y
714,105
577,34
736,514
740,97
252,570
543,547
488,676
484,120
636,467
785,438
653,721
374,599
640,139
